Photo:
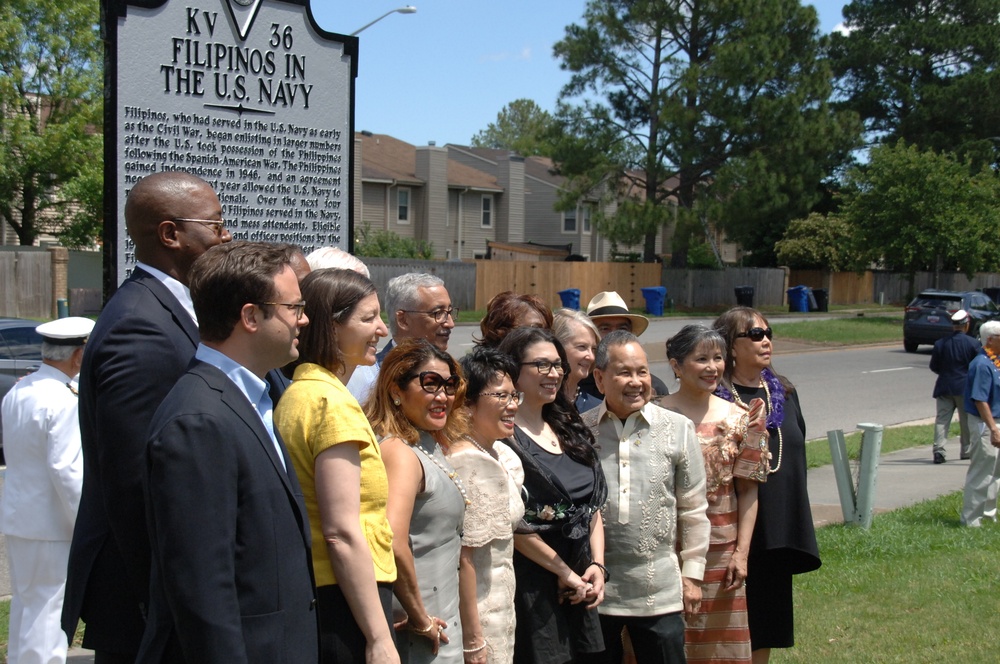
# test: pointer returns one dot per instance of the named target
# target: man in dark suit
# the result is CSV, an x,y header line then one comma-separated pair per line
x,y
950,361
142,343
232,575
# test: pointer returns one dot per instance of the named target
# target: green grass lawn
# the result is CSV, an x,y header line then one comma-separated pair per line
x,y
917,587
844,331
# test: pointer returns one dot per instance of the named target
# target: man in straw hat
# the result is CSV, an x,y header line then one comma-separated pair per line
x,y
609,313
41,434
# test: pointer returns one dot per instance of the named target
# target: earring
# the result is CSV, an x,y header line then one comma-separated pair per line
x,y
395,402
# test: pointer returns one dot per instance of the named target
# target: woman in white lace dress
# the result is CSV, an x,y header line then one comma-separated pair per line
x,y
493,475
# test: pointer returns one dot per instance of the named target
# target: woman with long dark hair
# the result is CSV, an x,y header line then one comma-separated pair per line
x,y
784,540
559,563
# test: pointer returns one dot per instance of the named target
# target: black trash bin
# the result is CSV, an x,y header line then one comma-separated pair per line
x,y
822,299
744,296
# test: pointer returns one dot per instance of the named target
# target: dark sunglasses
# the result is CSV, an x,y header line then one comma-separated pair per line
x,y
432,382
757,333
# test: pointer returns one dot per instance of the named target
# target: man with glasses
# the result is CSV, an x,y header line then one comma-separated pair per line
x,y
231,565
656,531
418,307
142,343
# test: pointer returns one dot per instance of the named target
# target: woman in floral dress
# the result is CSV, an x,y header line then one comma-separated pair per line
x,y
734,444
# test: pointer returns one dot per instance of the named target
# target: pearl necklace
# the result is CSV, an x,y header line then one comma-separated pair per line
x,y
781,442
478,446
452,475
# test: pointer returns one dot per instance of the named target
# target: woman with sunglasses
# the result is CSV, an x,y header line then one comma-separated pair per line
x,y
734,447
416,407
336,457
559,563
784,541
493,475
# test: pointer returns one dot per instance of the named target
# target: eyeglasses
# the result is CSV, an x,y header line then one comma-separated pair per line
x,y
432,382
505,397
216,225
544,366
298,307
757,333
439,315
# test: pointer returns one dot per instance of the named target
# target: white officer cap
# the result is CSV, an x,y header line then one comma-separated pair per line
x,y
960,317
72,331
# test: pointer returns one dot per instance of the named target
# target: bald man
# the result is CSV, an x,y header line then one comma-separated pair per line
x,y
143,342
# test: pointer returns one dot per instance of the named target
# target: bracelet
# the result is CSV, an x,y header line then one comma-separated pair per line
x,y
425,630
472,650
604,570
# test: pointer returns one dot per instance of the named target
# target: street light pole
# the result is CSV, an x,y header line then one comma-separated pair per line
x,y
408,9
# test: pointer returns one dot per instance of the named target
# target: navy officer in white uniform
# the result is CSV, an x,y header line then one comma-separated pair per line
x,y
41,433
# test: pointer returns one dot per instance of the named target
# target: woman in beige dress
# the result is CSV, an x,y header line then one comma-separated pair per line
x,y
493,476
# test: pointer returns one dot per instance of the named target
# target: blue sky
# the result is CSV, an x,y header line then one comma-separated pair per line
x,y
443,73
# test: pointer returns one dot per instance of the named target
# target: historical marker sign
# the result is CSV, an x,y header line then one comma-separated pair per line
x,y
251,96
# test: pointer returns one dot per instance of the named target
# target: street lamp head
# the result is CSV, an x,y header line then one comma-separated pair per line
x,y
408,9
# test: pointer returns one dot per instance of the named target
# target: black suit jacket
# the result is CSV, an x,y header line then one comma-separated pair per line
x,y
950,361
232,572
142,343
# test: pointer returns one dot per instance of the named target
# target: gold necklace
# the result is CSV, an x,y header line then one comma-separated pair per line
x,y
781,442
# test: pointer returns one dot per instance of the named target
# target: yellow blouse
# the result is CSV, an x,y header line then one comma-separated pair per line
x,y
315,413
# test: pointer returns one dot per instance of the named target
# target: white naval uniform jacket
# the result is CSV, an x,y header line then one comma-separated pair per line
x,y
41,438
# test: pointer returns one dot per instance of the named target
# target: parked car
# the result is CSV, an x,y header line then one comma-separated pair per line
x,y
20,354
928,317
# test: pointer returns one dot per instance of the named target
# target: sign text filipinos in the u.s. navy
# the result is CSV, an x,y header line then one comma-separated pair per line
x,y
251,96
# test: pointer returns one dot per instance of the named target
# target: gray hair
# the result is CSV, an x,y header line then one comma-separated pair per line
x,y
615,338
990,328
690,338
57,352
401,293
563,320
325,257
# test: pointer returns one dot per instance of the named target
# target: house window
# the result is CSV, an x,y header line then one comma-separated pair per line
x,y
403,205
487,211
569,221
586,212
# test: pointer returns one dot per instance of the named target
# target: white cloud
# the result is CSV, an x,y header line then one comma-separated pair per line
x,y
508,56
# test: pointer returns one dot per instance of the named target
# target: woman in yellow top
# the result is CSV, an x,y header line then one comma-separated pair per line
x,y
337,459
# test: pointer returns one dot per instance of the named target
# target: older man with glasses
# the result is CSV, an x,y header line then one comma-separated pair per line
x,y
418,307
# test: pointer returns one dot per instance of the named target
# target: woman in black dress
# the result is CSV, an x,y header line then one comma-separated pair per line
x,y
784,541
559,564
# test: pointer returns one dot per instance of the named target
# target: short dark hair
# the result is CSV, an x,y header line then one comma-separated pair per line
x,y
506,311
229,276
481,367
690,338
613,338
331,296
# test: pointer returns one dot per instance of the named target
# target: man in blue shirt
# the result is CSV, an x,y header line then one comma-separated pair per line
x,y
982,403
950,361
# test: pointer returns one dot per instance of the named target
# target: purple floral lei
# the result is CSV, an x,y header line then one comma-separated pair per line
x,y
777,414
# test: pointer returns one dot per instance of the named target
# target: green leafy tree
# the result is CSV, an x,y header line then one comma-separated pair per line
x,y
912,210
818,242
386,244
716,106
50,108
522,126
924,71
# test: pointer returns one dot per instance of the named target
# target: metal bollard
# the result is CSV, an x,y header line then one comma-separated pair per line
x,y
857,503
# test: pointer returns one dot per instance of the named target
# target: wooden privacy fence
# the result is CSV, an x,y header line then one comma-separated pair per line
x,y
893,287
459,278
841,287
26,283
546,279
717,288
